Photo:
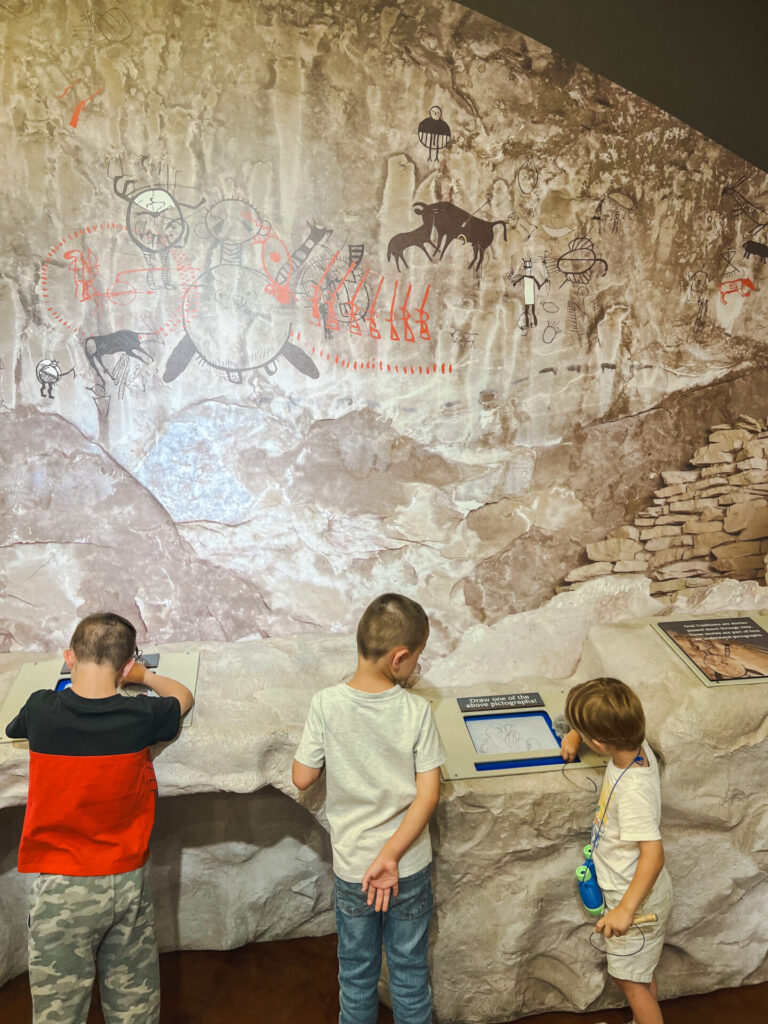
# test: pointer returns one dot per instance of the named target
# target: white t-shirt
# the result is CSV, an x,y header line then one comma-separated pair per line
x,y
372,745
633,816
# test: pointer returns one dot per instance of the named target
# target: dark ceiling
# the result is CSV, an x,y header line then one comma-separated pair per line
x,y
705,61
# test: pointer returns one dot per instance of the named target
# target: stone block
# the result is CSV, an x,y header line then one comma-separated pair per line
x,y
678,518
715,492
709,471
712,512
628,532
750,423
648,513
661,531
668,556
588,572
756,449
613,549
703,543
667,586
751,463
711,455
697,526
696,505
680,476
742,564
710,481
680,569
665,543
751,515
633,566
730,438
741,495
750,476
669,492
735,549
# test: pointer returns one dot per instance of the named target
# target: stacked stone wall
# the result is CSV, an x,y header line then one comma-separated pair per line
x,y
706,523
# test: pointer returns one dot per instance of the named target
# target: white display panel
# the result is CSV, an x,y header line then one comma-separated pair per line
x,y
510,734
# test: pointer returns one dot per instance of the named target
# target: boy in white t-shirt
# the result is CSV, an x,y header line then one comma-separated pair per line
x,y
627,851
381,752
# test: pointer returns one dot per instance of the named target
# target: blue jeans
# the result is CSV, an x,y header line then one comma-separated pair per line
x,y
404,930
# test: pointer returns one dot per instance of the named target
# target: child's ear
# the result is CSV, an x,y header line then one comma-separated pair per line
x,y
398,656
127,668
599,746
69,658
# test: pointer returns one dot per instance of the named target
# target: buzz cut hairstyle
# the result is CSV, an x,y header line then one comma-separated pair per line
x,y
392,620
104,638
607,710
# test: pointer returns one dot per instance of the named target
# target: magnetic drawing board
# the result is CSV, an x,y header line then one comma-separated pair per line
x,y
510,733
503,734
47,675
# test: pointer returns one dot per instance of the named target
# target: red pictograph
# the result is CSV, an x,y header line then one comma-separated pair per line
x,y
81,107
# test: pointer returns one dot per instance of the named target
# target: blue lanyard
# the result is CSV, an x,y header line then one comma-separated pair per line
x,y
596,835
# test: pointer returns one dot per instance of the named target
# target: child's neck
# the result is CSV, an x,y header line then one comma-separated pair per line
x,y
624,758
372,676
93,680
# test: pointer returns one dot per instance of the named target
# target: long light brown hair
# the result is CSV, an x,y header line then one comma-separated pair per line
x,y
607,710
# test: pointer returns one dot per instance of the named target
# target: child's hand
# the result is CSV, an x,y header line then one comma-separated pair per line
x,y
569,748
137,673
615,922
381,880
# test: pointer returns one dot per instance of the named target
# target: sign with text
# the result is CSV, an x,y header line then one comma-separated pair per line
x,y
500,702
719,650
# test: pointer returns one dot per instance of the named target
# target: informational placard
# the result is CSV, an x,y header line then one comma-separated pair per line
x,y
719,651
500,702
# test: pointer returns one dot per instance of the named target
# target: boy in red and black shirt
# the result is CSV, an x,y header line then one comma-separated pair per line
x,y
90,811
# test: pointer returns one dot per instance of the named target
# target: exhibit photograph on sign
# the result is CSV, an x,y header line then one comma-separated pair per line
x,y
728,650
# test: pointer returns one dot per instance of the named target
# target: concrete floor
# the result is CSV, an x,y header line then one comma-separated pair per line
x,y
294,982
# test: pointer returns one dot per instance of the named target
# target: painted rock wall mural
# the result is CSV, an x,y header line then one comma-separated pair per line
x,y
305,302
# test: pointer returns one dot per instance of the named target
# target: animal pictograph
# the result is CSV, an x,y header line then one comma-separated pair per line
x,y
420,237
99,345
758,249
739,286
451,223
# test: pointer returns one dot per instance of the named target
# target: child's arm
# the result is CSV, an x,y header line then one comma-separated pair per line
x,y
303,776
162,685
381,878
618,920
571,744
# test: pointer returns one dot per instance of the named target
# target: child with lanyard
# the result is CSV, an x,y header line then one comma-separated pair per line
x,y
607,715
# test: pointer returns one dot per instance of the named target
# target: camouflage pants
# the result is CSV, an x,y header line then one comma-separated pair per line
x,y
77,925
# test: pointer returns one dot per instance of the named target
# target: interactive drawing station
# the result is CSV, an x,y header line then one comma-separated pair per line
x,y
52,674
503,734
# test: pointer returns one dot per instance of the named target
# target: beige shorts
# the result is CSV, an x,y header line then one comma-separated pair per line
x,y
640,965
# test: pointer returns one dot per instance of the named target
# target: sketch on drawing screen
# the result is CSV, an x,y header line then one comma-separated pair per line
x,y
510,734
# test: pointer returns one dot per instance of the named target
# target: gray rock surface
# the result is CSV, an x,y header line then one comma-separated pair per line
x,y
235,857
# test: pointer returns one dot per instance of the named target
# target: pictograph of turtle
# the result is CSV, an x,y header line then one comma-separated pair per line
x,y
48,373
233,325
